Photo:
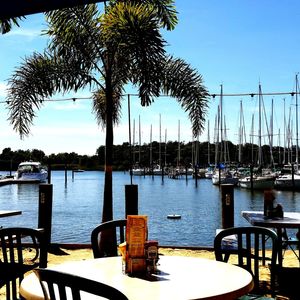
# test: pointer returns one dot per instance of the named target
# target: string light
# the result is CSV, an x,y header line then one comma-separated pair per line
x,y
211,95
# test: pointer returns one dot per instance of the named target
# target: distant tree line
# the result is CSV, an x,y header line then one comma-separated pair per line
x,y
164,154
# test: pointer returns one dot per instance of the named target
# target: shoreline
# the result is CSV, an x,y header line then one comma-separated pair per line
x,y
65,252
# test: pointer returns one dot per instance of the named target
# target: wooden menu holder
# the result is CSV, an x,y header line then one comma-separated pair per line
x,y
136,236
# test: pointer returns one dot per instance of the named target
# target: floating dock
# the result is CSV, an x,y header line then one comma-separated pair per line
x,y
7,181
174,216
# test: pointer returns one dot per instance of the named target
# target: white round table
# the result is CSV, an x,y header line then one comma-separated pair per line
x,y
179,278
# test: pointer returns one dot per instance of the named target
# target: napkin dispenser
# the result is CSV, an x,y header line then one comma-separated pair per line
x,y
136,236
139,254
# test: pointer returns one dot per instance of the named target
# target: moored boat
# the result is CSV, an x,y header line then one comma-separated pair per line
x,y
31,171
138,171
258,182
287,181
224,178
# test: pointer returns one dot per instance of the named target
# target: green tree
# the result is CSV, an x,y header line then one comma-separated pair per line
x,y
105,52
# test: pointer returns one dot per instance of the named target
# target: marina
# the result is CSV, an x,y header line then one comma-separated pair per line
x,y
77,206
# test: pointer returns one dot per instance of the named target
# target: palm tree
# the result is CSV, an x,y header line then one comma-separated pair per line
x,y
6,25
105,52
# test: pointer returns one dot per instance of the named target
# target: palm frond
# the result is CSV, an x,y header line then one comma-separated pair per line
x,y
77,29
99,107
165,10
186,85
39,77
134,32
7,24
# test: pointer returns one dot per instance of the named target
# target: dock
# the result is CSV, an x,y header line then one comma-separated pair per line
x,y
7,181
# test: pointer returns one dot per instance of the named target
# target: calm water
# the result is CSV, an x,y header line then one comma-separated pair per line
x,y
77,206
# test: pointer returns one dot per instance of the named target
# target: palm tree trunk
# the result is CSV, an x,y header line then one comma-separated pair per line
x,y
106,241
107,213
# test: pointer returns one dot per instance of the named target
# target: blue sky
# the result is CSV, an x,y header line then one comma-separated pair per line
x,y
236,43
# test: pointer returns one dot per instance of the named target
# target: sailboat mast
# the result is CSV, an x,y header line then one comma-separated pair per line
x,y
221,124
208,144
289,137
166,147
279,145
297,145
271,134
240,132
151,147
159,147
284,132
133,141
197,152
178,159
271,123
252,139
216,137
259,127
140,140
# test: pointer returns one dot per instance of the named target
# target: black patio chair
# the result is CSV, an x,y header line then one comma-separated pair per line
x,y
116,234
22,250
55,285
249,252
292,243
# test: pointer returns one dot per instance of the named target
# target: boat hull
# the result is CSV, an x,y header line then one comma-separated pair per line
x,y
259,183
287,182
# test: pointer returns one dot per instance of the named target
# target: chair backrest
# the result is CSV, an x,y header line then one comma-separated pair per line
x,y
59,285
246,246
115,232
22,250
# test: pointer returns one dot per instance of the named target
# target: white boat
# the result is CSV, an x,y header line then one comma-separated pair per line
x,y
137,171
31,171
174,216
157,170
200,173
209,173
286,182
226,178
78,170
258,182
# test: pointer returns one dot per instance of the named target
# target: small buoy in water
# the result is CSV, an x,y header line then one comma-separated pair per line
x,y
174,216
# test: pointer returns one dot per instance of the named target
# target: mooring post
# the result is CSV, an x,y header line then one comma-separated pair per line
x,y
196,175
45,210
251,177
131,199
227,205
49,173
66,175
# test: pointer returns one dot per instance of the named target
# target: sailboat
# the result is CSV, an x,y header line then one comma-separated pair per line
x,y
137,170
264,180
291,177
221,174
157,168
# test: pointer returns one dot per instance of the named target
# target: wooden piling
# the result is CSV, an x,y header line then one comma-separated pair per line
x,y
131,199
45,209
227,205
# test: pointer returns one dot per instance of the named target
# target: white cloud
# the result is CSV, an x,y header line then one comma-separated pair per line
x,y
27,33
3,88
